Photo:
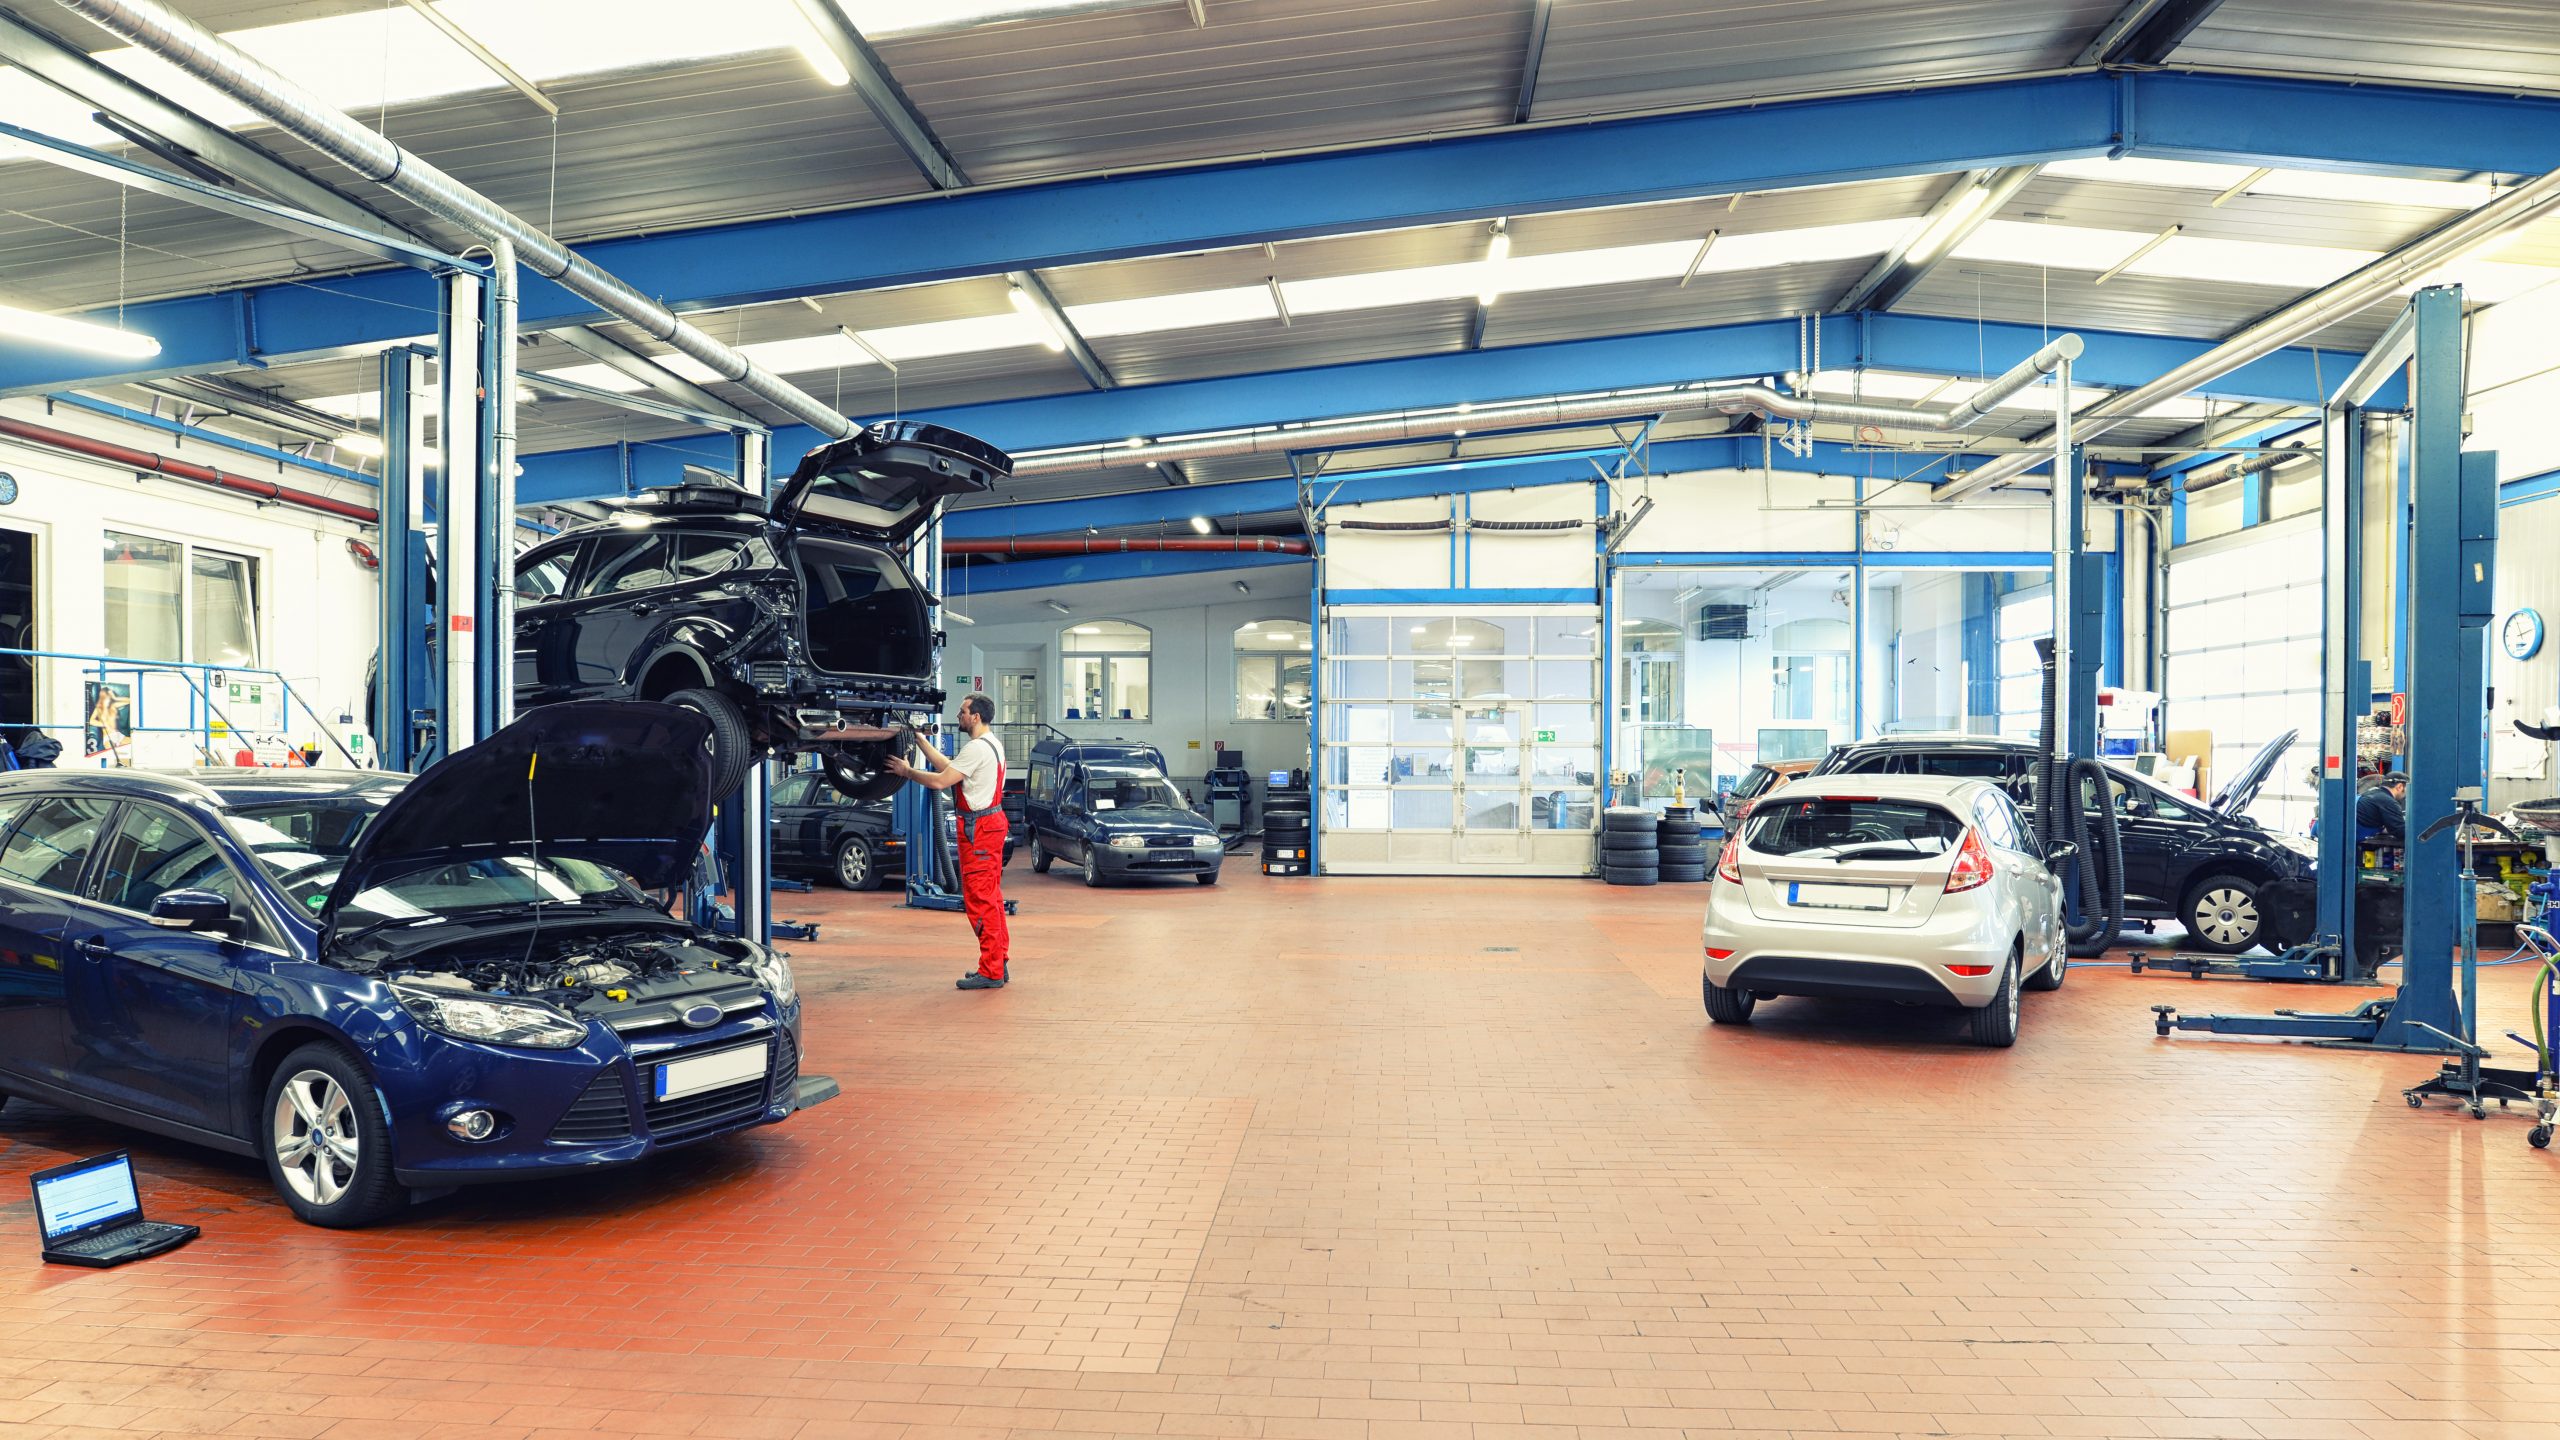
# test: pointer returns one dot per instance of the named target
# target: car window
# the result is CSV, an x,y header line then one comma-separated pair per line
x,y
544,578
795,791
156,850
1128,789
628,562
1839,827
699,557
1970,767
51,845
1999,823
1040,783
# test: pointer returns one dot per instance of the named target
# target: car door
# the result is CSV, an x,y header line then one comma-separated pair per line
x,y
2036,893
544,669
41,865
1069,839
30,971
796,820
2165,839
612,606
152,1009
704,589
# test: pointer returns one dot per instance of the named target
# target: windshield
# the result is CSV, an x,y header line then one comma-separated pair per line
x,y
1843,827
302,845
1129,789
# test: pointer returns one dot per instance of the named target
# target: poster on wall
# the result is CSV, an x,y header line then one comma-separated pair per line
x,y
105,738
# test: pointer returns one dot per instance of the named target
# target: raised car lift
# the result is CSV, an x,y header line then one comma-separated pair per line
x,y
2450,540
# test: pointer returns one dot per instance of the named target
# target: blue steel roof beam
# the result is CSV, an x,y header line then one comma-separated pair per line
x,y
2144,32
881,92
1518,170
1894,342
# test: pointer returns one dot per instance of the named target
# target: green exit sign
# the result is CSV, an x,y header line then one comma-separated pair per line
x,y
1546,737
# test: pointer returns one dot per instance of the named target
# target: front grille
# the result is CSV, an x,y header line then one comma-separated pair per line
x,y
600,1116
677,1118
1168,842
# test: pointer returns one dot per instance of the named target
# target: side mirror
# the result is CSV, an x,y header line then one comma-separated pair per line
x,y
190,910
2059,851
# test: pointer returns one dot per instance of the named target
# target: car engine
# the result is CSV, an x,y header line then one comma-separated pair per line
x,y
610,976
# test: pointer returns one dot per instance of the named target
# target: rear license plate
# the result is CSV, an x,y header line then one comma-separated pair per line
x,y
679,1078
1838,897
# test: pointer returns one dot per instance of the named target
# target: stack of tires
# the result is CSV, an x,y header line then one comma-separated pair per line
x,y
1285,834
1681,843
1630,850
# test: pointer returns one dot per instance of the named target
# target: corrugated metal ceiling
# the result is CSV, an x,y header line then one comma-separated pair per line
x,y
2506,45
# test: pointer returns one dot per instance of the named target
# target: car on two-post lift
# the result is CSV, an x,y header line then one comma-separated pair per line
x,y
793,626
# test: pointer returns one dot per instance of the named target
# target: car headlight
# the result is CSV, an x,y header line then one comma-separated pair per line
x,y
774,974
1128,842
465,1016
2299,846
1204,842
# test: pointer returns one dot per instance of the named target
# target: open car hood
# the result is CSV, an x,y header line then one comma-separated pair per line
x,y
623,783
884,483
2244,787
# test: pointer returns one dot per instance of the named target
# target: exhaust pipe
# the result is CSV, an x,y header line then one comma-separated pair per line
x,y
236,75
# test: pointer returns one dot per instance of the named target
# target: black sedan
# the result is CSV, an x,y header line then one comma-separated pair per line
x,y
855,843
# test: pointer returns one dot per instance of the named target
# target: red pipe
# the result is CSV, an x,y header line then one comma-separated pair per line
x,y
176,469
1257,544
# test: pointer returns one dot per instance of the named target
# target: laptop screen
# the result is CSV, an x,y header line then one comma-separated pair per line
x,y
92,1192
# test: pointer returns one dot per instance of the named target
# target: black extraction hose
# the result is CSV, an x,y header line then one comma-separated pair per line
x,y
2068,789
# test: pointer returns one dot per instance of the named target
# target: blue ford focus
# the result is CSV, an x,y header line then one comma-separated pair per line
x,y
383,985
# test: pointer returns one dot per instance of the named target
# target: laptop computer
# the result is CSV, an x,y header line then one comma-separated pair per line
x,y
91,1214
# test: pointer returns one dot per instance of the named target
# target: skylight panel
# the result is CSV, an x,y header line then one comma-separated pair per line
x,y
2298,184
553,39
1149,313
363,405
2134,170
356,61
598,376
2250,262
1812,244
2054,247
810,352
30,104
891,17
2489,282
1378,289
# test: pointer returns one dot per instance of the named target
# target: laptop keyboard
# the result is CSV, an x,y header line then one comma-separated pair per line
x,y
123,1237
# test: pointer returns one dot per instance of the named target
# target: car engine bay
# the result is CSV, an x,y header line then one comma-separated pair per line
x,y
628,980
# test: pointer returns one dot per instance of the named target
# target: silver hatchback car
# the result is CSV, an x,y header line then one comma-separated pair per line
x,y
1919,889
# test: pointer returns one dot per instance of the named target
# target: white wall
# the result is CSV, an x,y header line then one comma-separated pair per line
x,y
1192,674
316,625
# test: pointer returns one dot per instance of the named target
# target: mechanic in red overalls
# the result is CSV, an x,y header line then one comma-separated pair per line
x,y
977,770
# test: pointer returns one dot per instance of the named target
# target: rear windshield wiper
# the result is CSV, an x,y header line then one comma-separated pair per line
x,y
1864,852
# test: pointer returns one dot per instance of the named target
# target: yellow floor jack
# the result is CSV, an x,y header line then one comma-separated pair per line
x,y
2464,1080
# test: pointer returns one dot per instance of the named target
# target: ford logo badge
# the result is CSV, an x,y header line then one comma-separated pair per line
x,y
700,1017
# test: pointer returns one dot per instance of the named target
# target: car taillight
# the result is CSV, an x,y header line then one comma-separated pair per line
x,y
1973,864
1969,971
1719,954
1729,863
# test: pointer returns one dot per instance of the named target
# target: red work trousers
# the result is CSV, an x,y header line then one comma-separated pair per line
x,y
982,888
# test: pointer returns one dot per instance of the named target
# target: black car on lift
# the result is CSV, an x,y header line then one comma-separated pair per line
x,y
855,843
792,626
2204,866
1109,806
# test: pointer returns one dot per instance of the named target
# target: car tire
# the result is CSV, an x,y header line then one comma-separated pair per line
x,y
1627,841
345,1180
856,781
1092,873
1996,1025
2221,915
1683,854
2050,976
1681,832
1631,875
1680,873
733,750
1728,1006
1628,819
1207,878
1039,857
856,867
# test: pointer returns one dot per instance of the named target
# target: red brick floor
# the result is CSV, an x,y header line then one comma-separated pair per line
x,y
1381,1160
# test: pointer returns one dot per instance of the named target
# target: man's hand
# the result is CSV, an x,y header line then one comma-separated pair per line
x,y
897,766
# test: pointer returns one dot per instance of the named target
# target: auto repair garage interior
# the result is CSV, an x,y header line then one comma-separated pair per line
x,y
1718,717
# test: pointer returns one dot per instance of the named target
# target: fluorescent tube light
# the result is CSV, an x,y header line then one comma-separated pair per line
x,y
71,334
1944,228
361,445
1498,251
1024,305
1201,524
814,48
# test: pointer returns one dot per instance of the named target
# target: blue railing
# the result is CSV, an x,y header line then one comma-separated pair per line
x,y
203,707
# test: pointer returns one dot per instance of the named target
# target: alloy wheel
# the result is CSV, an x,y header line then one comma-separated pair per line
x,y
853,864
315,1137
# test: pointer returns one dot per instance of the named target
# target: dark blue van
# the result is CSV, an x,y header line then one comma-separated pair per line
x,y
1108,806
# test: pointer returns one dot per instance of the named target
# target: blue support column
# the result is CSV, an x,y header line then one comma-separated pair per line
x,y
752,807
2445,716
404,678
2346,676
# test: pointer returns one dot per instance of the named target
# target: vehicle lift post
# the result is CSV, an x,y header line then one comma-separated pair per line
x,y
924,817
2450,538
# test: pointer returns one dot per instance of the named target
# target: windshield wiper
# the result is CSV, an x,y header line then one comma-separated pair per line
x,y
1867,851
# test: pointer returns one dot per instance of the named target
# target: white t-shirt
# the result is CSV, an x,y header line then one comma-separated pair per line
x,y
978,761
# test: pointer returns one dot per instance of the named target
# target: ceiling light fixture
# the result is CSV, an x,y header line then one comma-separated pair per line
x,y
1244,589
70,334
1023,302
1201,524
359,444
1698,259
815,49
2145,248
1495,253
1054,605
1944,228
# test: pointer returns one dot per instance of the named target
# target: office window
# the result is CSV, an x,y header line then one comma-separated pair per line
x,y
1275,669
1106,670
169,601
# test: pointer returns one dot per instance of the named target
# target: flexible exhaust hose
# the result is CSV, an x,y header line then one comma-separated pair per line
x,y
2067,789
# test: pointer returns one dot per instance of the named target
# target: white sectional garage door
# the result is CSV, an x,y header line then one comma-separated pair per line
x,y
2243,638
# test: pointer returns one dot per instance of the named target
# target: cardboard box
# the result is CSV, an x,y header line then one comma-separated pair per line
x,y
2193,747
